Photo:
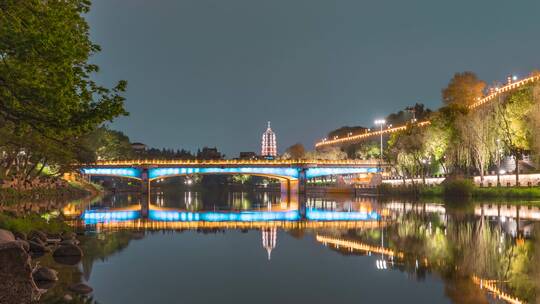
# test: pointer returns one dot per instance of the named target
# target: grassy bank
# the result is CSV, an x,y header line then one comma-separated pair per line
x,y
72,190
460,188
31,222
507,192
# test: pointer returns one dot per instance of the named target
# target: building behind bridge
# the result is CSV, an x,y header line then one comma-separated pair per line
x,y
269,143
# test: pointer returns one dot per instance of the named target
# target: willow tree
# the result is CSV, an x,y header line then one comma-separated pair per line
x,y
447,136
46,86
479,136
406,152
513,121
534,123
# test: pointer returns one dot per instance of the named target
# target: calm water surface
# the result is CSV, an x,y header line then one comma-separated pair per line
x,y
233,247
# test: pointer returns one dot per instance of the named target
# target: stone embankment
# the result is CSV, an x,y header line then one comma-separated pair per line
x,y
22,280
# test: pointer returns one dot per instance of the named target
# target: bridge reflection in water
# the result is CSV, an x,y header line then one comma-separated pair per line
x,y
267,220
162,217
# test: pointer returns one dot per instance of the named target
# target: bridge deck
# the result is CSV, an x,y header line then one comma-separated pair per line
x,y
232,163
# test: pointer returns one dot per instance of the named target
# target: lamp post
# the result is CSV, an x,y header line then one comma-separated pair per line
x,y
381,122
498,163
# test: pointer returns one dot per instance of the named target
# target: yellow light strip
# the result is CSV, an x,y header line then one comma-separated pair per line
x,y
369,134
489,97
231,162
357,245
490,285
504,89
142,224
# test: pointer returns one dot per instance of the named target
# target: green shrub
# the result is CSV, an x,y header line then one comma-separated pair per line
x,y
461,188
431,191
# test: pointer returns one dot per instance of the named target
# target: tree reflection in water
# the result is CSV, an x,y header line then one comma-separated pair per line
x,y
458,246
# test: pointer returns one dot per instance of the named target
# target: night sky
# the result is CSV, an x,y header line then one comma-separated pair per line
x,y
212,73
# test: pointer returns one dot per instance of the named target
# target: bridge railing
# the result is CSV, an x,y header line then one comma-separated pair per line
x,y
232,162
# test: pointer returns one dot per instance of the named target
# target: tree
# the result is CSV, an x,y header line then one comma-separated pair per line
x,y
534,123
328,153
48,101
241,178
479,135
45,77
445,124
464,89
296,151
367,150
513,115
418,111
406,152
106,144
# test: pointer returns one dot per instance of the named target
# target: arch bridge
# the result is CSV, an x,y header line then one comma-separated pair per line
x,y
292,174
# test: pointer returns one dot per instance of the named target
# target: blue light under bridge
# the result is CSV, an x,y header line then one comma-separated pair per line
x,y
326,215
122,172
100,216
212,216
103,216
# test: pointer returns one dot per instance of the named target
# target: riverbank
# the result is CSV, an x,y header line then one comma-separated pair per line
x,y
32,226
71,190
459,189
23,279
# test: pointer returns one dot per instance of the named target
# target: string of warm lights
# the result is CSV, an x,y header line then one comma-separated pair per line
x,y
357,246
504,89
231,162
143,224
367,135
491,96
490,285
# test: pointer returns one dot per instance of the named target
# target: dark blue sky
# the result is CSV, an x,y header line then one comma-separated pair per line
x,y
213,72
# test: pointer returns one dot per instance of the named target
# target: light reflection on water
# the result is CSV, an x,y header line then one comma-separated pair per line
x,y
352,249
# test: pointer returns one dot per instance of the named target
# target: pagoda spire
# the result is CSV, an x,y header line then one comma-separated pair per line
x,y
269,240
268,143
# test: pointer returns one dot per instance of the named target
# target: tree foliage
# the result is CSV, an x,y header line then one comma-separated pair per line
x,y
45,76
329,153
296,151
419,111
464,89
48,100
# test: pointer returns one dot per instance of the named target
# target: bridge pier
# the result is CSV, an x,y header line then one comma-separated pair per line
x,y
302,181
145,182
145,193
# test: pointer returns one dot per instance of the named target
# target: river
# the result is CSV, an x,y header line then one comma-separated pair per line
x,y
254,247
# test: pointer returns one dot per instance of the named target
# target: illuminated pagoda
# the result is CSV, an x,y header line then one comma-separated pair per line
x,y
269,238
269,144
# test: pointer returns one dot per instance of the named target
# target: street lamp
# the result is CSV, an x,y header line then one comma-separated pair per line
x,y
380,122
498,163
381,264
